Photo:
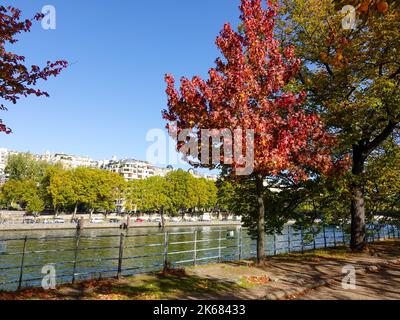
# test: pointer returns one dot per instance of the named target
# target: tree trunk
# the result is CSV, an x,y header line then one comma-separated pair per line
x,y
91,214
75,211
162,217
358,228
261,219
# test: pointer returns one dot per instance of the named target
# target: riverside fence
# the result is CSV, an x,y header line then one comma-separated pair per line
x,y
84,257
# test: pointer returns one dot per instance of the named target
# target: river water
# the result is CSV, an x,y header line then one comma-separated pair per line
x,y
145,250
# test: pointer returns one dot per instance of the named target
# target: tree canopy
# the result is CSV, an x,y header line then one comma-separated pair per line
x,y
16,78
248,89
352,77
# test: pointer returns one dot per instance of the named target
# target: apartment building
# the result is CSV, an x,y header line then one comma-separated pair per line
x,y
3,164
131,169
4,154
197,174
69,161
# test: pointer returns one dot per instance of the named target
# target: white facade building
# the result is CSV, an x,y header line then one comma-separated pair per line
x,y
199,175
69,161
131,169
3,163
3,159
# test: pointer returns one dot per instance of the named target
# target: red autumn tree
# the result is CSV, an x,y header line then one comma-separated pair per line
x,y
247,90
16,79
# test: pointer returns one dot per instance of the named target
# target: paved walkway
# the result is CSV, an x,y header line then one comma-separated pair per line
x,y
384,284
295,274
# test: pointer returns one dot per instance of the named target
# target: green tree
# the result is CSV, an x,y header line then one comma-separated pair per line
x,y
61,189
108,186
201,194
225,194
212,194
352,77
182,191
24,166
35,205
135,195
21,193
157,194
92,188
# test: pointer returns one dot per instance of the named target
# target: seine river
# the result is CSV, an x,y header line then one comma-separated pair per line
x,y
144,250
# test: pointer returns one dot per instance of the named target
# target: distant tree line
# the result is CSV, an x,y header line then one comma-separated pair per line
x,y
37,186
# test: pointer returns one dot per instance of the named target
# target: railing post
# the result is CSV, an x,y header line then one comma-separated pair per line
x,y
343,236
334,236
195,248
166,240
240,243
315,242
289,242
121,255
275,244
324,231
78,237
219,245
21,271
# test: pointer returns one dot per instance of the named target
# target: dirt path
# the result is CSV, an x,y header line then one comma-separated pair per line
x,y
382,285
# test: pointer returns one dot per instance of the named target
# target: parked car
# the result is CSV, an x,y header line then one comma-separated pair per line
x,y
176,219
29,221
114,220
97,220
59,221
206,217
193,219
140,220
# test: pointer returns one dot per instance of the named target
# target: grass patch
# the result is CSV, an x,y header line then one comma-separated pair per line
x,y
167,286
173,285
315,255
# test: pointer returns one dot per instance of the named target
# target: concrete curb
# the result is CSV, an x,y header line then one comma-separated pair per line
x,y
286,294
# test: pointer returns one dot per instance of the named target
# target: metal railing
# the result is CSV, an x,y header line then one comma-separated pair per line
x,y
82,257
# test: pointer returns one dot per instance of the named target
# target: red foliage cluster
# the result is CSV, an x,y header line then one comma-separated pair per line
x,y
246,90
16,79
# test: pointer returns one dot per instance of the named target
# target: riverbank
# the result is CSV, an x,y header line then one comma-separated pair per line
x,y
312,275
134,225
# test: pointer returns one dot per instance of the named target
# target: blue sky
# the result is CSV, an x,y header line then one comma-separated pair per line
x,y
113,93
